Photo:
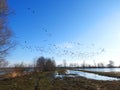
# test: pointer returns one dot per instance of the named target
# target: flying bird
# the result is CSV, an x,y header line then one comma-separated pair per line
x,y
103,50
33,12
28,8
25,41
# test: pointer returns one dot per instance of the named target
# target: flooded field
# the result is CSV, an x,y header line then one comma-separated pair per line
x,y
102,69
74,73
92,75
2,73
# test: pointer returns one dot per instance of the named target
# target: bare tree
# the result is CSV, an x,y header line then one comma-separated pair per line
x,y
100,65
83,64
111,64
50,65
64,63
5,33
40,64
45,64
3,63
71,65
20,67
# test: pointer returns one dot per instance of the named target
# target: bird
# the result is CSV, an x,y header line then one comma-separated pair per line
x,y
25,42
33,12
44,29
28,8
103,50
45,40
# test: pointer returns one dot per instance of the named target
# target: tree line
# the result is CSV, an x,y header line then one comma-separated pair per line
x,y
110,64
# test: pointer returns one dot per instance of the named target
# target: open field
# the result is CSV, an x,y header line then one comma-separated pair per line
x,y
46,81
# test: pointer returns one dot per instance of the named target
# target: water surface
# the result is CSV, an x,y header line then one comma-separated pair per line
x,y
92,75
102,69
74,73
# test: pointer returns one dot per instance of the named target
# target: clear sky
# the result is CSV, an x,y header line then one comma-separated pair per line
x,y
71,30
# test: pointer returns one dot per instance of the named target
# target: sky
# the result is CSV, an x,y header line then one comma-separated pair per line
x,y
73,30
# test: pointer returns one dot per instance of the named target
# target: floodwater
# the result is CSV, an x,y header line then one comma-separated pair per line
x,y
57,75
3,73
92,75
74,73
102,69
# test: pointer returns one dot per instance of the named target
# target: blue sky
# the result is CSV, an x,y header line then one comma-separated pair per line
x,y
74,30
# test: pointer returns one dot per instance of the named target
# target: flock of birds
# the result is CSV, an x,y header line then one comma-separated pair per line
x,y
77,51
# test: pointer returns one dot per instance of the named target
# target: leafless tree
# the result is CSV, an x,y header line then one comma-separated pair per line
x,y
71,65
83,64
64,63
20,67
3,63
101,65
50,65
5,33
40,64
111,64
45,64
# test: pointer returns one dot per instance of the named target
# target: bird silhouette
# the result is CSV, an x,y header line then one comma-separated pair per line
x,y
28,8
33,11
